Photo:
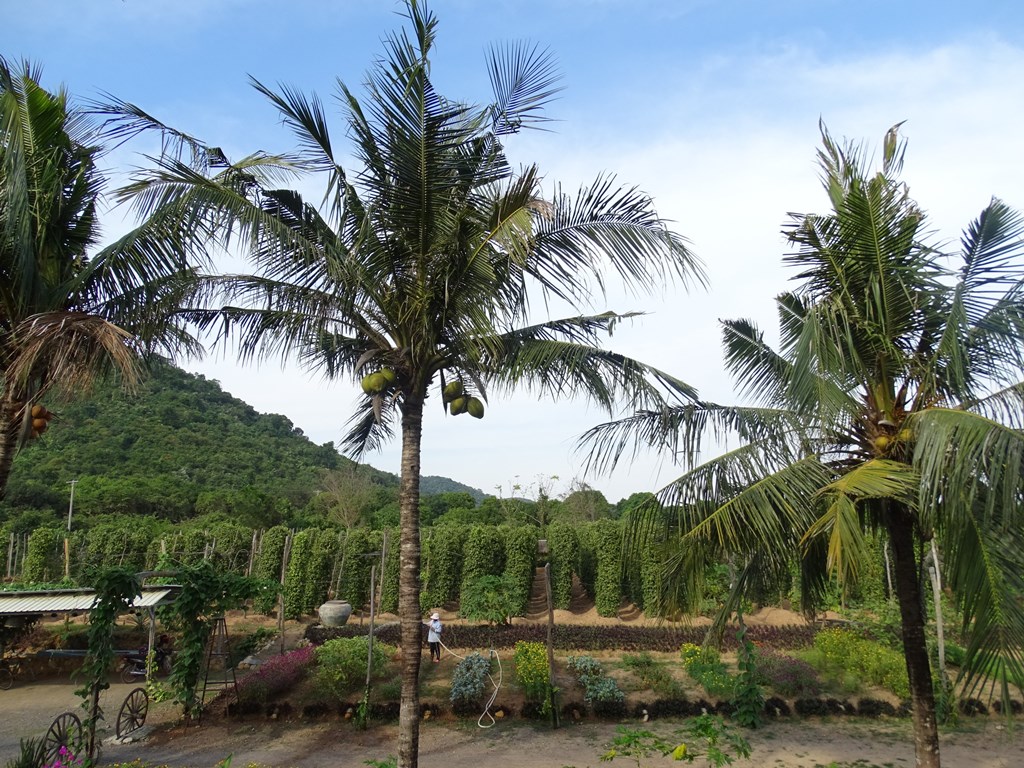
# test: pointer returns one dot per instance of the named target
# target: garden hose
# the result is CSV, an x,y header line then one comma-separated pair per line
x,y
494,695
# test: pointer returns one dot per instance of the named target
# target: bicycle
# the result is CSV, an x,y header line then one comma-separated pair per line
x,y
10,669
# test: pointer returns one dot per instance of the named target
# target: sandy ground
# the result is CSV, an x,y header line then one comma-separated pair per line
x,y
797,744
27,710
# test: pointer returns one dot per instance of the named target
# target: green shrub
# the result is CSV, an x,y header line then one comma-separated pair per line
x,y
748,699
229,547
873,663
469,680
341,664
483,553
584,666
564,556
113,544
643,581
652,675
531,662
705,667
295,578
586,534
488,598
608,586
692,654
43,559
267,565
354,577
389,588
443,565
520,551
190,547
955,654
598,688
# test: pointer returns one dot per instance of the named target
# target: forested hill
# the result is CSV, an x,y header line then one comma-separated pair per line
x,y
181,447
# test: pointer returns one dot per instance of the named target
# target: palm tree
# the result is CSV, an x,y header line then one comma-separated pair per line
x,y
895,404
419,270
66,314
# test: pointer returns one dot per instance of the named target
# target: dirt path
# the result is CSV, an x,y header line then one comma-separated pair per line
x,y
27,710
518,744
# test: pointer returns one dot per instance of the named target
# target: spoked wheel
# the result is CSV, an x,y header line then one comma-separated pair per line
x,y
65,731
132,715
6,678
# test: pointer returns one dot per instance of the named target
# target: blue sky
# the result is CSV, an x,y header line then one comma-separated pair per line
x,y
710,106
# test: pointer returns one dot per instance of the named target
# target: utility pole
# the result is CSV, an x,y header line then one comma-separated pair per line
x,y
67,539
71,504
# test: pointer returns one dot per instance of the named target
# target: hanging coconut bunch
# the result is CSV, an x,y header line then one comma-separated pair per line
x,y
40,419
454,394
379,381
452,391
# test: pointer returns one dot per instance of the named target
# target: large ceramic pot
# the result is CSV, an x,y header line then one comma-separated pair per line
x,y
334,613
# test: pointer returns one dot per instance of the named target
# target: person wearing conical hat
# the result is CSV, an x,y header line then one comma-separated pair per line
x,y
434,636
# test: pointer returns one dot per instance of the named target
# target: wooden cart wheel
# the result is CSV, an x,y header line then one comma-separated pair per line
x,y
132,715
65,731
6,678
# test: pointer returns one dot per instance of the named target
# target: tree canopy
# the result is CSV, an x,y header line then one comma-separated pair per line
x,y
894,404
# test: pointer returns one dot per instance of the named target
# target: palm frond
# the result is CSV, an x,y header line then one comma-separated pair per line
x,y
123,121
524,81
983,322
370,427
982,567
680,431
842,523
745,500
307,121
561,358
66,351
969,464
605,224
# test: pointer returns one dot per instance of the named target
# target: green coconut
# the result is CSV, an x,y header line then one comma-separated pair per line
x,y
458,405
452,391
475,408
389,375
882,442
374,384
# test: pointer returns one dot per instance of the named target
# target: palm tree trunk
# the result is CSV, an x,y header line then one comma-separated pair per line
x,y
915,650
10,428
409,584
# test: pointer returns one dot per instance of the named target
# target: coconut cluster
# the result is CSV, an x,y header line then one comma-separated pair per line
x,y
458,401
40,419
375,383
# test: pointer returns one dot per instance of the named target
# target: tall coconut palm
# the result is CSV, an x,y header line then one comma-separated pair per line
x,y
68,313
416,274
895,404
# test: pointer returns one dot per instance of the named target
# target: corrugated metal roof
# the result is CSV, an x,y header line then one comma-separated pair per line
x,y
75,600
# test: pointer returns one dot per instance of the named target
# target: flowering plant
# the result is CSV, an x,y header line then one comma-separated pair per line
x,y
65,759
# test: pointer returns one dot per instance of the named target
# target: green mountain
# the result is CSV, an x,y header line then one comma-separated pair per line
x,y
431,485
180,447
